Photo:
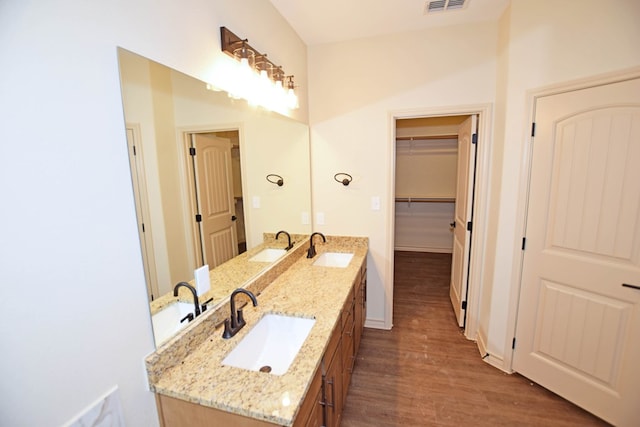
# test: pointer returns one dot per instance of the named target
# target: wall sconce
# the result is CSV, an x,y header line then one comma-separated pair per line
x,y
260,81
346,180
275,179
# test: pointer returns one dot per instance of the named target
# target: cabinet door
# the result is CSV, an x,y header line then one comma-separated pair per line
x,y
333,390
316,417
311,410
360,308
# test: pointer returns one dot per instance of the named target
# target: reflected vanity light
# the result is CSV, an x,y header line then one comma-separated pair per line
x,y
256,78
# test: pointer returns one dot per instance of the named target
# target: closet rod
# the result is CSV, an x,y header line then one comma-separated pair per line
x,y
426,199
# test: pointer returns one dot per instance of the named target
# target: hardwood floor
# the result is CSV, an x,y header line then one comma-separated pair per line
x,y
424,372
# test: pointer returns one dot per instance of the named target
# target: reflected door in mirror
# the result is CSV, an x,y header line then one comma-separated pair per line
x,y
214,189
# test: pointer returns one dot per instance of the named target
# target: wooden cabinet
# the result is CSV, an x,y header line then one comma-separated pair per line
x,y
360,307
340,356
311,412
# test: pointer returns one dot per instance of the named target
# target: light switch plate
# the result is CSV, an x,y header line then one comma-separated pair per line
x,y
256,202
305,218
375,203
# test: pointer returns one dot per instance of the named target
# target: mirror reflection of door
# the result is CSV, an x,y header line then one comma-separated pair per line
x,y
136,162
214,189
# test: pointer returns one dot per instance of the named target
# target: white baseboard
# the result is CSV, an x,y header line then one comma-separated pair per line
x,y
375,324
493,360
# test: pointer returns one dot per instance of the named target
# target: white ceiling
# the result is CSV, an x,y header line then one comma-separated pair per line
x,y
326,21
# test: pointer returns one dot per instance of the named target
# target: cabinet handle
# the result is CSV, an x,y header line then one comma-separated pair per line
x,y
627,285
333,394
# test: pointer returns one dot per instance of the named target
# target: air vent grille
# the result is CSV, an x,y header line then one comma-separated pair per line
x,y
444,5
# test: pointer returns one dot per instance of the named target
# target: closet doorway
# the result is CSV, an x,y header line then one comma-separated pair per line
x,y
434,193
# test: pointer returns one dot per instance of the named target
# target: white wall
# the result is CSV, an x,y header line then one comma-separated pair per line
x,y
73,310
354,88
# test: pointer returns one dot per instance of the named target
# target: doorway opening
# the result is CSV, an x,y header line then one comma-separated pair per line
x,y
214,179
434,194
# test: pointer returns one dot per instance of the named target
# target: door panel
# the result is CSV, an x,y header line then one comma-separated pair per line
x,y
463,213
215,198
578,327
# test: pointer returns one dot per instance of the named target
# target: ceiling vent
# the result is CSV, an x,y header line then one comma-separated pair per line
x,y
444,5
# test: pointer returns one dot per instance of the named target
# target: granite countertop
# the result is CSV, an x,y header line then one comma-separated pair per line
x,y
191,368
228,276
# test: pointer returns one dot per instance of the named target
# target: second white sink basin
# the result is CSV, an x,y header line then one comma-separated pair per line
x,y
268,255
166,322
333,259
271,345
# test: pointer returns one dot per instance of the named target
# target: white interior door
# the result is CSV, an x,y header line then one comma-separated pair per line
x,y
462,217
578,330
214,188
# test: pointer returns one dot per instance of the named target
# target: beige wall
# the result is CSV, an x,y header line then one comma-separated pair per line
x,y
355,86
74,319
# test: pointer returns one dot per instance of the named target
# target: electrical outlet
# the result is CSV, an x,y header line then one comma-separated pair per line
x,y
320,218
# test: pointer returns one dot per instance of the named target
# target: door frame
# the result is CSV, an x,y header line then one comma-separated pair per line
x,y
188,200
139,181
480,205
523,198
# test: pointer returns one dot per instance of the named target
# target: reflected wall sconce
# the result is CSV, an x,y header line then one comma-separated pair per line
x,y
260,81
275,179
346,180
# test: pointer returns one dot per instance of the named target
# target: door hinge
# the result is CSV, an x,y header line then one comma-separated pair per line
x,y
513,343
198,218
469,226
192,151
533,129
464,305
474,138
524,243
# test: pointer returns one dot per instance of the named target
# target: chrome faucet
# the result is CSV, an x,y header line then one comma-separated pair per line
x,y
195,296
311,252
290,245
236,321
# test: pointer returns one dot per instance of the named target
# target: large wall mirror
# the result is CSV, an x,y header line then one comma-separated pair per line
x,y
169,115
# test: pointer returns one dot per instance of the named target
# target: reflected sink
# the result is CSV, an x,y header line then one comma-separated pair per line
x,y
166,322
333,259
271,345
268,255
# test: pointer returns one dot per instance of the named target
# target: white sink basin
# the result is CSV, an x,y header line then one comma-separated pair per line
x,y
333,259
166,322
271,345
268,255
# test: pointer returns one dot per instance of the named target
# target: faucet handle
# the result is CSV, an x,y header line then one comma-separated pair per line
x,y
203,307
188,316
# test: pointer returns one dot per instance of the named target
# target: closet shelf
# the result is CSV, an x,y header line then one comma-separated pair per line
x,y
426,199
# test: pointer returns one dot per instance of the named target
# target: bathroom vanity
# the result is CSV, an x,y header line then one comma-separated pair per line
x,y
194,386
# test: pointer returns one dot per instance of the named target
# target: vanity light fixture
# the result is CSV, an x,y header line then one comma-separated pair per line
x,y
346,180
260,81
275,179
